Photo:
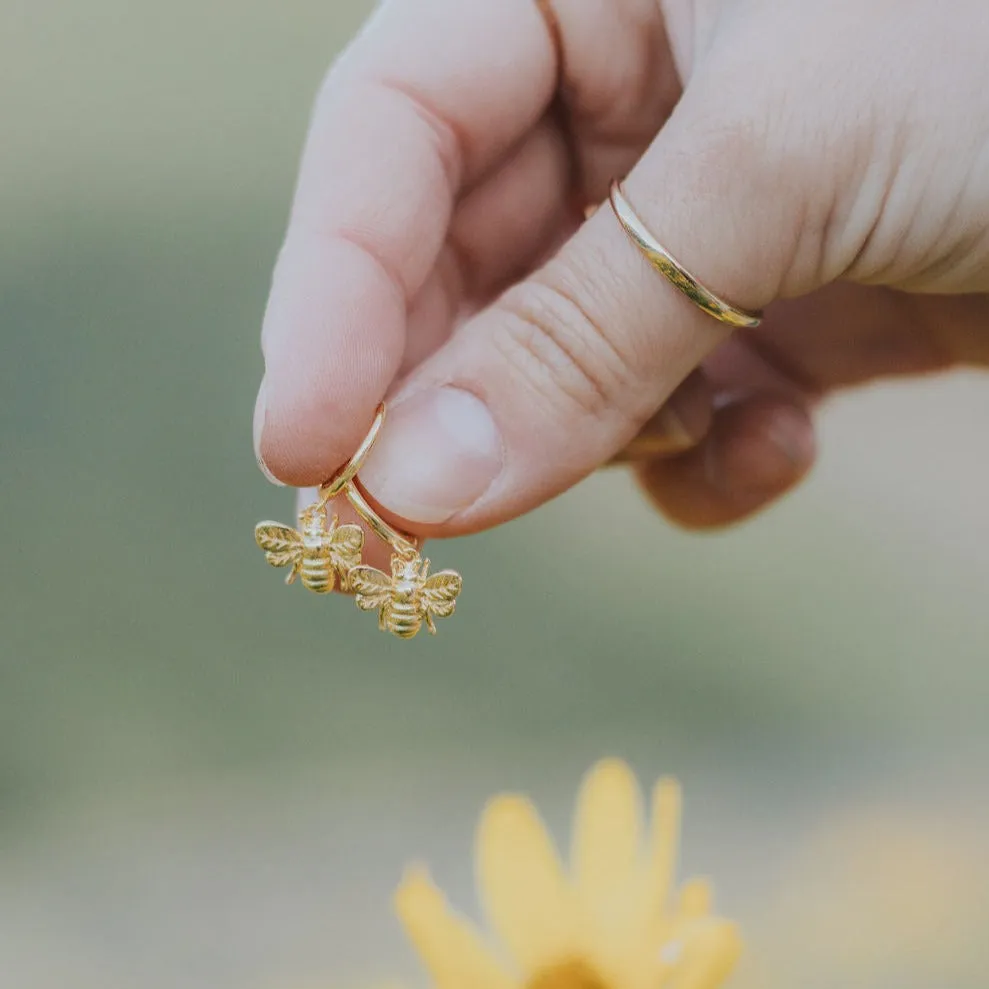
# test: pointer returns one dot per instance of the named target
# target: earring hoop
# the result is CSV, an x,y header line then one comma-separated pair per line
x,y
402,544
407,599
336,484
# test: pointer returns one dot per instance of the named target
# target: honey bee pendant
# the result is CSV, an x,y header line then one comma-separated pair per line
x,y
322,551
409,598
317,553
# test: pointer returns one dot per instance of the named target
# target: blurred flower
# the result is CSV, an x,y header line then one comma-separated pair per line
x,y
613,923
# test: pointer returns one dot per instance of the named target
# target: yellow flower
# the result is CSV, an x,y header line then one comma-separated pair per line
x,y
613,923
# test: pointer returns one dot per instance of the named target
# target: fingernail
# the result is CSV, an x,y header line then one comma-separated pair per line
x,y
438,453
259,411
679,425
670,425
763,455
665,434
686,417
790,433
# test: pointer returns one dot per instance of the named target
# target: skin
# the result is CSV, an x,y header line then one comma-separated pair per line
x,y
826,162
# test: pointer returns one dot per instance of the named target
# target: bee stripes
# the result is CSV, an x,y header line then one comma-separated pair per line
x,y
317,552
317,572
407,599
322,553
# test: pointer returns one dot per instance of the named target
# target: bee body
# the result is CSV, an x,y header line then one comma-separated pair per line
x,y
407,599
317,553
403,613
316,569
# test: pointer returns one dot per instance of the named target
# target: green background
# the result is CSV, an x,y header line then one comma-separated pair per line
x,y
206,779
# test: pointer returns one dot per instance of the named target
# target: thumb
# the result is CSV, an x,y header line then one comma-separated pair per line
x,y
558,375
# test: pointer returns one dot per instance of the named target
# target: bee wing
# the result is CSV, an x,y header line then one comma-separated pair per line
x,y
346,543
371,587
439,593
282,546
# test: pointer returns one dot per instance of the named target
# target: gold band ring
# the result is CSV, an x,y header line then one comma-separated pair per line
x,y
671,269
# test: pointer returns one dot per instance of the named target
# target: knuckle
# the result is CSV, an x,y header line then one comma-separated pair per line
x,y
617,100
723,147
750,166
555,338
761,136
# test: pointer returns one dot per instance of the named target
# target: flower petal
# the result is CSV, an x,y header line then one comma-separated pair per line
x,y
664,845
607,838
449,946
528,901
694,906
696,899
709,955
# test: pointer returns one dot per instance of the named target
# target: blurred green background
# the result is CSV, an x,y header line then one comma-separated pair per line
x,y
208,780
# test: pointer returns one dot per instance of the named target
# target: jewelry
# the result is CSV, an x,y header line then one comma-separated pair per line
x,y
667,265
643,448
405,600
409,597
320,551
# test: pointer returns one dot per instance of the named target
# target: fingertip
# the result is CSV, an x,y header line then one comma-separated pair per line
x,y
680,424
439,451
758,448
689,412
334,334
259,417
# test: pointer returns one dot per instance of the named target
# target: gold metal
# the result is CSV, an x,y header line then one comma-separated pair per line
x,y
318,553
409,598
323,551
348,472
670,268
402,544
645,447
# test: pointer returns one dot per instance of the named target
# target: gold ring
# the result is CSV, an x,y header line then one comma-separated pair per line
x,y
343,477
670,268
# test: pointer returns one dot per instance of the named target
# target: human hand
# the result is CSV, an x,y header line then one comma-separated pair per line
x,y
829,155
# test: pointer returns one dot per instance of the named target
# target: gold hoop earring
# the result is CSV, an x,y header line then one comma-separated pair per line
x,y
405,600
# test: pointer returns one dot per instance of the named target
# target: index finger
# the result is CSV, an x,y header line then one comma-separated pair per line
x,y
427,99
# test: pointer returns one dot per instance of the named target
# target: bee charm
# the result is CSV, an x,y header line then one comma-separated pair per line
x,y
323,552
409,598
317,553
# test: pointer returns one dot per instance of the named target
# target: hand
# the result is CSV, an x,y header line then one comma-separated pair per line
x,y
831,155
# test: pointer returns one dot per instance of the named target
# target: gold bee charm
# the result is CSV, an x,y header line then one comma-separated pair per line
x,y
318,553
322,550
409,597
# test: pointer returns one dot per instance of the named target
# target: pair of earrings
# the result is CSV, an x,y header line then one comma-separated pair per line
x,y
321,552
